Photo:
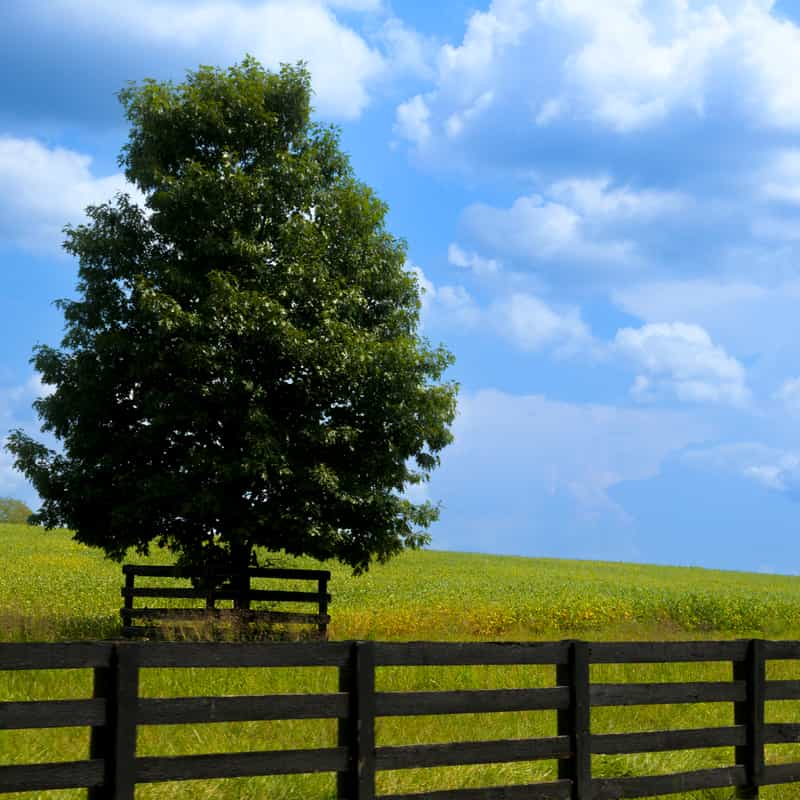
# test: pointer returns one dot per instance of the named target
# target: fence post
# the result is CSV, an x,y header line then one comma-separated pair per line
x,y
574,720
750,713
130,576
322,590
357,732
115,742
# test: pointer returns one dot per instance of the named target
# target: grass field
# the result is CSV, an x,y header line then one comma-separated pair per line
x,y
53,589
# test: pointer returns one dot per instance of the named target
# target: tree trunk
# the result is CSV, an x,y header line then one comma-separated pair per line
x,y
241,580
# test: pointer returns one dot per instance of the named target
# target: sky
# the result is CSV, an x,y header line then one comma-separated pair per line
x,y
601,202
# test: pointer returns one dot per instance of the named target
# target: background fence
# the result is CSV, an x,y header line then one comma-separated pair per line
x,y
238,589
113,768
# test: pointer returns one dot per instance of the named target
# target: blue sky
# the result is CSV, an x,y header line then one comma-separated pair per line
x,y
601,200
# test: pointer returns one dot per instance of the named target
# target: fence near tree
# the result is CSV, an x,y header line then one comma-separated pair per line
x,y
113,768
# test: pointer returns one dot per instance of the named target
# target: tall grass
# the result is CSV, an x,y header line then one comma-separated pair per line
x,y
51,588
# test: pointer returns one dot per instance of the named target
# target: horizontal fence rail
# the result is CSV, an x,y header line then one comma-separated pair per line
x,y
113,769
237,589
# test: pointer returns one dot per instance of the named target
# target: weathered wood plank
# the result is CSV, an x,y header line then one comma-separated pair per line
x,y
39,777
406,704
198,710
52,714
782,690
782,733
614,788
410,654
152,769
750,713
555,790
573,721
780,773
781,650
659,741
665,652
276,595
244,654
254,572
66,655
458,753
635,694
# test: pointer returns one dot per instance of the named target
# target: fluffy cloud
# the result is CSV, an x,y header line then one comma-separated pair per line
x,y
521,318
533,325
625,66
472,261
528,443
578,219
42,189
681,358
343,64
535,228
774,468
745,316
789,395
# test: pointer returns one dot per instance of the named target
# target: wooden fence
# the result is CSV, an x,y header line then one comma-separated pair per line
x,y
241,593
113,768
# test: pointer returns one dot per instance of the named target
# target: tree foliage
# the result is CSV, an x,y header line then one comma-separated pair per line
x,y
242,366
14,511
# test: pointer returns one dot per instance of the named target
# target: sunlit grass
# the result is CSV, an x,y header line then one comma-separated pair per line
x,y
54,589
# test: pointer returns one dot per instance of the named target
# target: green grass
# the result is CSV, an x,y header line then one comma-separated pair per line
x,y
54,589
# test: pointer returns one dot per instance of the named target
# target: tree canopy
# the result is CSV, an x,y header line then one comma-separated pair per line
x,y
242,366
13,510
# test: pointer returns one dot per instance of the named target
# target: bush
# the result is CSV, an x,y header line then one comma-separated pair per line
x,y
12,510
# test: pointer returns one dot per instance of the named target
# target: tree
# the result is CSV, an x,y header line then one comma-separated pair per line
x,y
242,367
15,511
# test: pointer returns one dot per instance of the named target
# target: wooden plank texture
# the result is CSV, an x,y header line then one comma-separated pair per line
x,y
458,753
554,790
636,694
274,595
665,652
67,655
614,788
254,572
198,710
244,654
403,704
153,769
52,714
410,654
40,777
659,741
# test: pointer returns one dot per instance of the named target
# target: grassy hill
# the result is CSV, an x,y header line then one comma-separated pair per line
x,y
53,588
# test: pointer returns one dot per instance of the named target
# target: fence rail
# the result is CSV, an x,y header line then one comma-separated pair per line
x,y
113,768
238,589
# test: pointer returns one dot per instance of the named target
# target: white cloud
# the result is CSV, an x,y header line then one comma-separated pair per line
x,y
533,325
780,178
521,318
743,315
43,189
413,120
537,228
624,66
681,358
446,306
472,261
342,63
789,395
771,467
596,199
527,443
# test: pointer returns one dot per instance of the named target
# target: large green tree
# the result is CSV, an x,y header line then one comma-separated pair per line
x,y
242,366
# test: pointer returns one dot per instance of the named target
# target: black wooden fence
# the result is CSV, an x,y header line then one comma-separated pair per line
x,y
113,768
238,590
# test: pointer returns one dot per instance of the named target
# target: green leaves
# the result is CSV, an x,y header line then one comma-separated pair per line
x,y
241,369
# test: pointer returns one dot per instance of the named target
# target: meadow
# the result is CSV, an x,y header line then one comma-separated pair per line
x,y
53,589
